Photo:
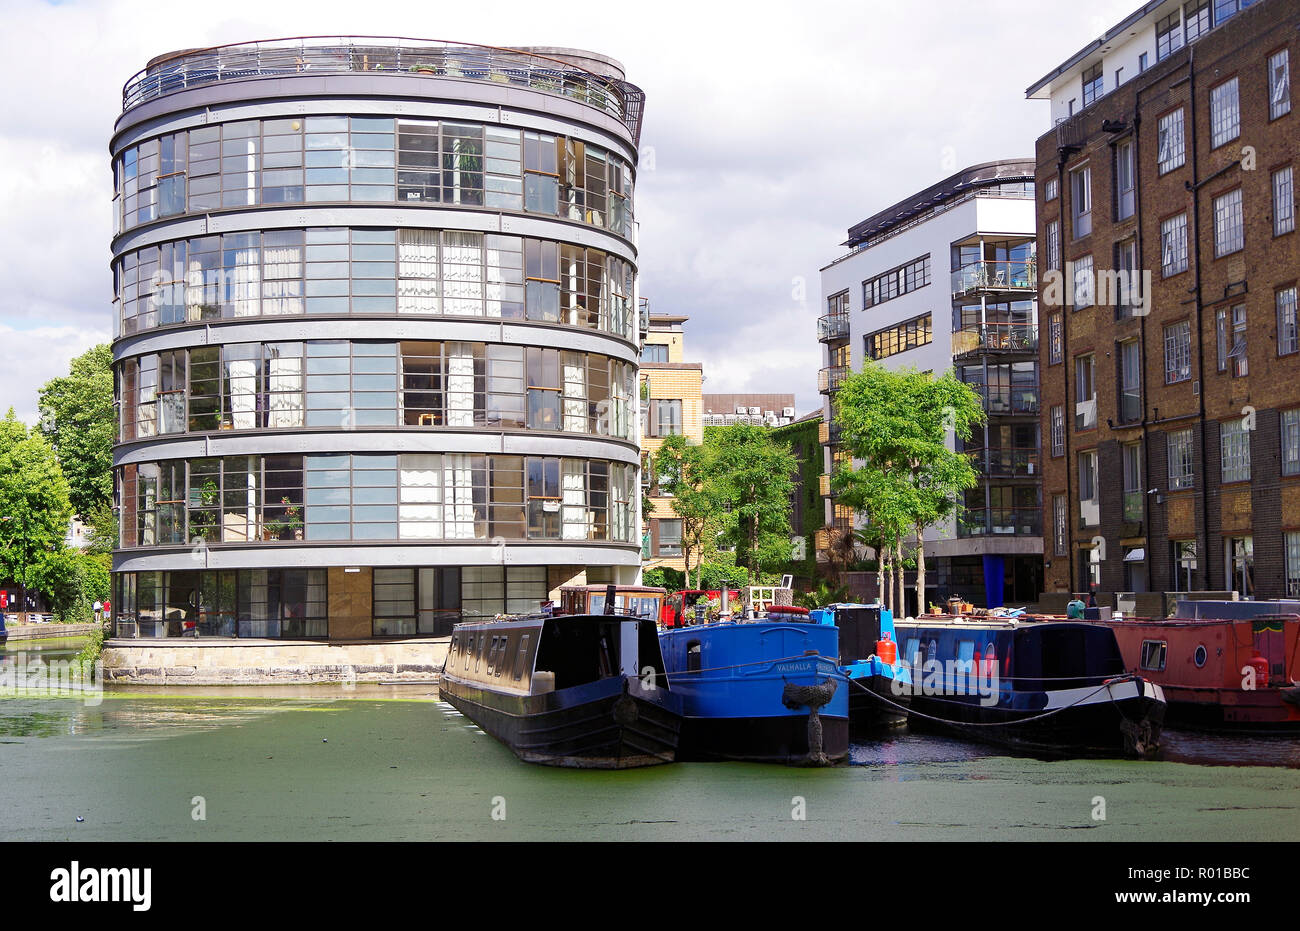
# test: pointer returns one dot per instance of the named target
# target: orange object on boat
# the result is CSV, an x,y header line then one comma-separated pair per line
x,y
1260,665
887,650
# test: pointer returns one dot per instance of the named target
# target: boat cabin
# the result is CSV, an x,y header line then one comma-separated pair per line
x,y
643,601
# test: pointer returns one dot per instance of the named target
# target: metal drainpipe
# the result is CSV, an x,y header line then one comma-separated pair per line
x,y
1204,536
1147,503
1065,375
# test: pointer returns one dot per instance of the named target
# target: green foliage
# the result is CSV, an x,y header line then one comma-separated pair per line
x,y
823,593
91,651
664,577
72,581
102,531
77,418
749,475
806,446
34,508
682,470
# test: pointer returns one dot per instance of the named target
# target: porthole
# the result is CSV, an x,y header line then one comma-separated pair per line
x,y
1199,656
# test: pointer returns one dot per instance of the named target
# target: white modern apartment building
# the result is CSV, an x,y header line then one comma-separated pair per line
x,y
946,278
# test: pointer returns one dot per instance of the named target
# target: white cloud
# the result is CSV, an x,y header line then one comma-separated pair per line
x,y
32,357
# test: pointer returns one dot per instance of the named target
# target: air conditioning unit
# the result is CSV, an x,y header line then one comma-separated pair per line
x,y
754,411
768,415
742,409
787,412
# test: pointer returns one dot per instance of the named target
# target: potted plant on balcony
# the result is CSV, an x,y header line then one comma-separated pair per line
x,y
287,526
423,67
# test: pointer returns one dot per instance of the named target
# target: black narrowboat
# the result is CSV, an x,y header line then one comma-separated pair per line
x,y
585,691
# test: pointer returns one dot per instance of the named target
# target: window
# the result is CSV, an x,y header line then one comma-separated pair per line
x,y
1131,467
907,277
1196,19
1153,655
1054,244
1060,525
1081,200
654,352
892,340
1142,62
1123,287
1169,37
1130,384
1279,85
670,537
1124,181
665,418
1288,337
1093,81
1225,114
1173,245
1229,228
1055,340
1183,557
1085,392
1226,9
1170,143
415,601
1058,430
1239,554
1283,202
1049,190
1291,542
1291,442
1178,445
1088,476
1234,446
1230,336
1178,352
1084,281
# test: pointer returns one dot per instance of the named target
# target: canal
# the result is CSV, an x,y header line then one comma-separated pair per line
x,y
393,763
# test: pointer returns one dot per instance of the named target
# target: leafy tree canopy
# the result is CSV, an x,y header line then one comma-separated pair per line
x,y
77,418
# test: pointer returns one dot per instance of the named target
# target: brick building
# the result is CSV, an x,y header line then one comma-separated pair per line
x,y
1171,403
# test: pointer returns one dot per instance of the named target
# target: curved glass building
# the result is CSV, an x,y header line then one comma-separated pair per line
x,y
376,336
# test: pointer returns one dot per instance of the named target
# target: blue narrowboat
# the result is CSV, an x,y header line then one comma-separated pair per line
x,y
879,685
765,690
1053,689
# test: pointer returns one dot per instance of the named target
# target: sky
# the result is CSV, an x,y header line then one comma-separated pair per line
x,y
770,128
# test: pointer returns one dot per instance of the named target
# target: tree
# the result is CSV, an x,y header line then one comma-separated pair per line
x,y
896,423
34,506
72,581
749,474
77,418
681,469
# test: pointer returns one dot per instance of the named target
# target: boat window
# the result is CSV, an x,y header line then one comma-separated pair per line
x,y
520,655
1199,656
693,656
502,649
478,651
1153,654
913,649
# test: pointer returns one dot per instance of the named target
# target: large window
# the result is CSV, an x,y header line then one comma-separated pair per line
x,y
1290,429
1173,245
330,159
1230,337
1060,525
1081,201
1058,430
1093,82
416,601
1283,201
1182,472
670,537
900,338
1125,181
1196,19
1288,334
665,418
1084,282
1225,113
1055,340
365,496
907,277
261,603
1183,557
1171,150
1234,447
1229,227
1169,36
1129,363
1279,85
1178,352
1054,244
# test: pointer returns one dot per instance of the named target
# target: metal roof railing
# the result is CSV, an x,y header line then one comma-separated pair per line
x,y
414,58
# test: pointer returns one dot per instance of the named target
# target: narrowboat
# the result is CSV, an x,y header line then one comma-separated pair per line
x,y
1224,665
681,608
767,690
584,691
1053,689
880,685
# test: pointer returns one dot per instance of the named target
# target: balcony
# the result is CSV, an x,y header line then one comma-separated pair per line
x,y
997,462
832,327
1008,399
1085,414
999,275
830,378
415,59
824,486
998,522
828,434
997,338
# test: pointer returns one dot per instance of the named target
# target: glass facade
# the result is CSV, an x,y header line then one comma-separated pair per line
x,y
260,343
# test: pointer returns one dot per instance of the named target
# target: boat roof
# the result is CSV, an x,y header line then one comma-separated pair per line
x,y
618,589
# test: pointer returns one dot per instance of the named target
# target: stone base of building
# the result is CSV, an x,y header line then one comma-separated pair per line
x,y
272,662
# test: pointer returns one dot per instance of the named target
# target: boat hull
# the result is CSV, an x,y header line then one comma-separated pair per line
x,y
614,723
781,740
873,704
1124,718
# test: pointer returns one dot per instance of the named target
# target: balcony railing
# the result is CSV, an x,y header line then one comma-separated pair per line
x,y
1005,463
1008,399
995,275
996,337
830,378
1133,506
828,434
824,485
832,326
318,55
996,522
